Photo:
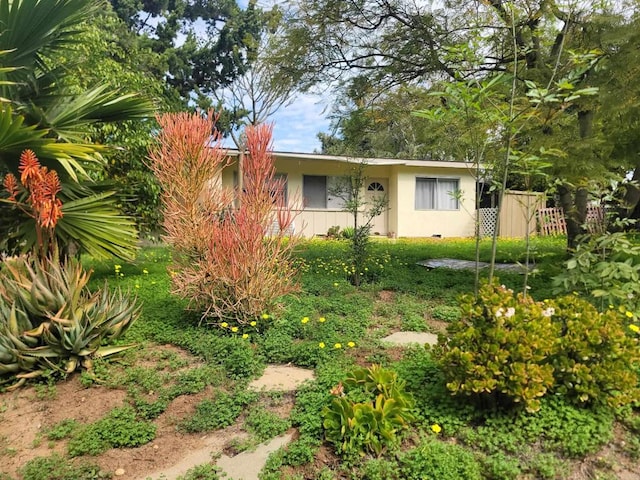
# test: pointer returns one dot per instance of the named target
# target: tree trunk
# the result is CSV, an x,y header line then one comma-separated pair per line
x,y
574,205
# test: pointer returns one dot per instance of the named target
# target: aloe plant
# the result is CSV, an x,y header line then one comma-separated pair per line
x,y
50,320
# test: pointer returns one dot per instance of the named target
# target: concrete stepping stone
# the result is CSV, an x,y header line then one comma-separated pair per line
x,y
247,465
410,338
456,264
281,378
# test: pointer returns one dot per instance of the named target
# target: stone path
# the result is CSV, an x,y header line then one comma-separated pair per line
x,y
409,338
456,264
246,465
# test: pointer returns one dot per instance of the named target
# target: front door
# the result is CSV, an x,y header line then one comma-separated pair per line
x,y
375,188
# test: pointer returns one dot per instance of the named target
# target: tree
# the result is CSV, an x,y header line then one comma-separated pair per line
x,y
38,112
204,44
351,189
401,42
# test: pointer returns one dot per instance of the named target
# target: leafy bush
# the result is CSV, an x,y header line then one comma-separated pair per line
x,y
265,424
605,268
49,319
119,429
219,412
597,361
446,313
369,412
435,459
499,348
56,467
233,265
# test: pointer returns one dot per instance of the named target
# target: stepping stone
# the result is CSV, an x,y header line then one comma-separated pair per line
x,y
281,378
247,465
456,264
411,338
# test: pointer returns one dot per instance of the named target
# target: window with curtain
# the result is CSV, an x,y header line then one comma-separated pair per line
x,y
437,193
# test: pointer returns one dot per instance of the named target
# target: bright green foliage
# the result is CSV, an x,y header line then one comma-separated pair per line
x,y
444,461
500,348
605,268
219,412
372,422
265,424
119,429
49,319
597,359
56,467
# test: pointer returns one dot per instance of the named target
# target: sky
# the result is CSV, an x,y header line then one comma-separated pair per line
x,y
296,126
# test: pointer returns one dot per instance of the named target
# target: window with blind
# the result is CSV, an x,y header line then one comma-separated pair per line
x,y
319,191
437,193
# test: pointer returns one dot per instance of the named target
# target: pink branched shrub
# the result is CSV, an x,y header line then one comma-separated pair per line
x,y
232,263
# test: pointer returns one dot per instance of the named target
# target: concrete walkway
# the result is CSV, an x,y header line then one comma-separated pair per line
x,y
456,264
247,465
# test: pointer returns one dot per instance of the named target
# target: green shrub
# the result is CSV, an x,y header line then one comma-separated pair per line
x,y
501,467
63,429
265,424
369,412
119,429
499,348
596,360
446,313
219,412
435,459
605,268
379,469
56,467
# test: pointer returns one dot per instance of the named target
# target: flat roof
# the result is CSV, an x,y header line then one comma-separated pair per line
x,y
368,161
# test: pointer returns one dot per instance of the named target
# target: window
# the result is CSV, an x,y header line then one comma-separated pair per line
x,y
280,187
436,193
319,192
375,187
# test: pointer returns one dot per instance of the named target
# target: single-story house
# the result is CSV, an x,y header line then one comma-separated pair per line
x,y
426,198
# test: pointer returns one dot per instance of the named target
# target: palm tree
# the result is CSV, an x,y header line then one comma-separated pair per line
x,y
39,113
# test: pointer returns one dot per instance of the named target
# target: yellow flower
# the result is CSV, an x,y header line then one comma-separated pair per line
x,y
254,323
245,335
335,284
322,319
145,271
634,328
629,314
224,324
435,428
234,329
351,344
265,316
321,345
305,320
337,345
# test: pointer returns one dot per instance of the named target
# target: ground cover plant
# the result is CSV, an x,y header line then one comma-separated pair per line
x,y
336,329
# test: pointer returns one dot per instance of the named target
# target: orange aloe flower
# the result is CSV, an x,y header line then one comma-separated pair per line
x,y
29,167
11,186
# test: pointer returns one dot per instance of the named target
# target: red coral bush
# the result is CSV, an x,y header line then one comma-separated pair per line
x,y
230,262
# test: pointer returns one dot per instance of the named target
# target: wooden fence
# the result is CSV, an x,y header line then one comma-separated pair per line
x,y
551,221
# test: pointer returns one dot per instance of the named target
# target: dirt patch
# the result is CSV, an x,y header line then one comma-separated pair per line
x,y
281,377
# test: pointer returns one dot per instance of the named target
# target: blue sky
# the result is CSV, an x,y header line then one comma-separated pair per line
x,y
296,125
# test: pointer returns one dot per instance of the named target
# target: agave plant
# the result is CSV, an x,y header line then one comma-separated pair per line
x,y
50,320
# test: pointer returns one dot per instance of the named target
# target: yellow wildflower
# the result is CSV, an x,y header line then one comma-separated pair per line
x,y
224,324
245,335
265,316
351,344
337,345
435,428
629,314
321,345
254,323
634,328
322,319
305,320
234,329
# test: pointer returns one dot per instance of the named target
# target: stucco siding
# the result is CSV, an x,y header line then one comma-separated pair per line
x,y
413,222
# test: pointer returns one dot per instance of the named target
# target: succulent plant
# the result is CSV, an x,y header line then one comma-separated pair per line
x,y
50,320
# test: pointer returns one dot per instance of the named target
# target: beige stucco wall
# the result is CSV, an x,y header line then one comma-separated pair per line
x,y
426,223
402,218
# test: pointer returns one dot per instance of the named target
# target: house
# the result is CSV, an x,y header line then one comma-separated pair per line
x,y
422,194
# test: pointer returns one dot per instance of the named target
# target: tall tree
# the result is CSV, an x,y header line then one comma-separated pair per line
x,y
204,44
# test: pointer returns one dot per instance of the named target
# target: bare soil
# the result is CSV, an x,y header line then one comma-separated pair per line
x,y
27,413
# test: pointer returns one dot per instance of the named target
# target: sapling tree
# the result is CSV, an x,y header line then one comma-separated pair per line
x,y
351,189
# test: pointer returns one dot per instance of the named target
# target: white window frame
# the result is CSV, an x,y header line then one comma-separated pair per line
x,y
439,201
